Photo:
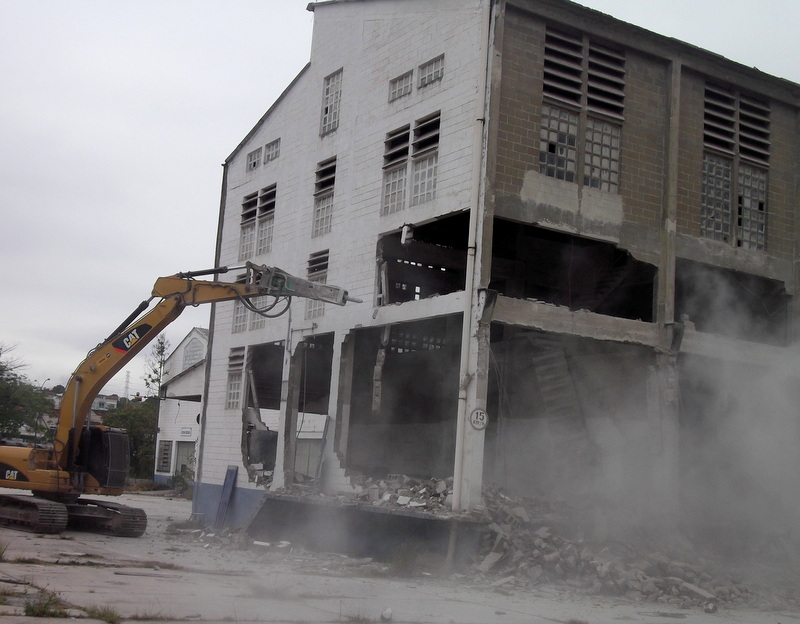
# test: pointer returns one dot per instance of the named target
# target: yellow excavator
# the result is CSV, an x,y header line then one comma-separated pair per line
x,y
94,459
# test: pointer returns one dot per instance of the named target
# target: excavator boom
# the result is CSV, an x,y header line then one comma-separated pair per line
x,y
94,459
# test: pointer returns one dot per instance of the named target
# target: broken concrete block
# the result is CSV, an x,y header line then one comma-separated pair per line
x,y
489,561
697,592
403,500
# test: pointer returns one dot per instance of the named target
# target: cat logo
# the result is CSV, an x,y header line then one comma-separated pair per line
x,y
124,343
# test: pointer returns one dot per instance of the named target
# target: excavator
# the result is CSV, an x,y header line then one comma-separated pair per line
x,y
86,458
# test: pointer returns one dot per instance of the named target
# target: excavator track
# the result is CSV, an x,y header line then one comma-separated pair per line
x,y
30,513
108,518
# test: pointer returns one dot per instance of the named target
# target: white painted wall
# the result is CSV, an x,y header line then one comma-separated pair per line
x,y
373,42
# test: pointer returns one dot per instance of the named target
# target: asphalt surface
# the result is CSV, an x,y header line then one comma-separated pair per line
x,y
173,573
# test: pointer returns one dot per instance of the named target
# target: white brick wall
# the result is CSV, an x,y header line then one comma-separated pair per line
x,y
373,42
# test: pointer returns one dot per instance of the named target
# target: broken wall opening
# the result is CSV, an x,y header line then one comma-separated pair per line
x,y
404,398
731,303
530,262
423,260
313,403
262,412
579,421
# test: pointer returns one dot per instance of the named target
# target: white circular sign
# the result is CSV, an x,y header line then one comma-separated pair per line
x,y
479,418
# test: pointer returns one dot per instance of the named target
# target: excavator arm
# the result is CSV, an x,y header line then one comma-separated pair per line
x,y
93,459
175,293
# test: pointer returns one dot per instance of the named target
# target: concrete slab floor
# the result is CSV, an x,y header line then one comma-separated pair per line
x,y
164,577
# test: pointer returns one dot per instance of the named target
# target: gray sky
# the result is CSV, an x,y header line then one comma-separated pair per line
x,y
116,116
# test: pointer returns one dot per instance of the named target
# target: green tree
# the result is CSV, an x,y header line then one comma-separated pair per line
x,y
155,365
140,419
21,403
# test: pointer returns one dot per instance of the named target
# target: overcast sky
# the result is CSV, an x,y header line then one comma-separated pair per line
x,y
116,116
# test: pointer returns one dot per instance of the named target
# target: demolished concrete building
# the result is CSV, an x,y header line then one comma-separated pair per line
x,y
575,242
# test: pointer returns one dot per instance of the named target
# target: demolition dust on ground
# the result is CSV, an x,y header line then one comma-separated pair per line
x,y
531,542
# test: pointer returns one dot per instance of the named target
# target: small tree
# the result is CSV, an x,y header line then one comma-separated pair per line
x,y
21,403
155,365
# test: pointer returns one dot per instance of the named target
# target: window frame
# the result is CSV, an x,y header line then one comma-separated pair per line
x,y
331,102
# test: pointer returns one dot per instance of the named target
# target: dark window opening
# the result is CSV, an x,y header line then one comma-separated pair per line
x,y
730,303
266,368
404,398
579,273
424,261
314,385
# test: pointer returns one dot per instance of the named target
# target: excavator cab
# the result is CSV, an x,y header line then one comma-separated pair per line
x,y
104,452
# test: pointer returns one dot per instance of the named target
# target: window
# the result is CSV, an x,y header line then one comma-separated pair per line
x,y
164,457
254,159
317,272
559,139
584,106
258,217
266,219
420,148
431,72
258,321
735,164
601,156
400,86
233,392
323,197
331,101
239,311
272,150
193,352
247,234
395,164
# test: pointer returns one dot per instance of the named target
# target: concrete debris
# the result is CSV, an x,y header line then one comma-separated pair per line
x,y
519,551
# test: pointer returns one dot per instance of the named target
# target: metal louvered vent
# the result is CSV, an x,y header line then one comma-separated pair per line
x,y
753,129
605,81
736,124
563,72
719,119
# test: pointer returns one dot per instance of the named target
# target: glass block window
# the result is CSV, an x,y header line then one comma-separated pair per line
x,y
752,216
424,179
247,234
736,135
239,317
331,102
395,164
324,183
431,71
323,215
558,143
601,158
266,219
394,190
254,159
272,150
233,390
715,212
258,321
400,86
317,272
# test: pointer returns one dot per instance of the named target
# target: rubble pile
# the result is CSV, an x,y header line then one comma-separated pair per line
x,y
395,492
519,551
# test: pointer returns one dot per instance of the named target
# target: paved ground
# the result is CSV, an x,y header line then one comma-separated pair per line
x,y
164,576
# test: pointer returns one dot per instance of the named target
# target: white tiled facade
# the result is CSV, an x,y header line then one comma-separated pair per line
x,y
371,48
